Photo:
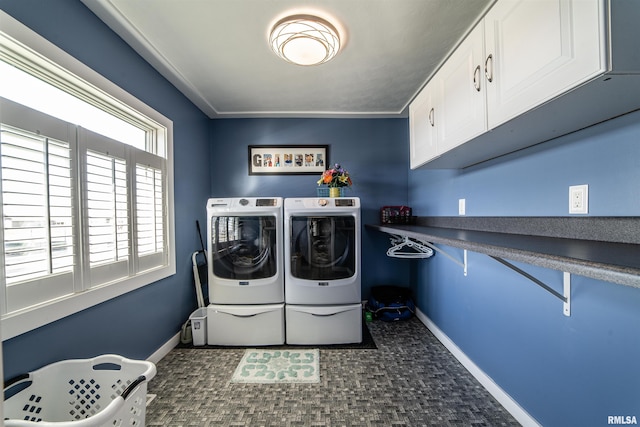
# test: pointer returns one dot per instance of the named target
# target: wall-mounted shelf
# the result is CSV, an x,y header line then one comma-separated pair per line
x,y
609,261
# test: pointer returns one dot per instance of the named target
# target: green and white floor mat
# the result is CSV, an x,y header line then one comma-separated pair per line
x,y
278,366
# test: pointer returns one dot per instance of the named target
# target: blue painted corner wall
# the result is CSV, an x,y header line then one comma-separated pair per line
x,y
564,371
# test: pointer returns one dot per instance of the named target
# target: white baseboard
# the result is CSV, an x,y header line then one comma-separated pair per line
x,y
498,393
165,349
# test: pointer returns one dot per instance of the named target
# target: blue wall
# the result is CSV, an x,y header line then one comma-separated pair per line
x,y
374,151
565,371
138,323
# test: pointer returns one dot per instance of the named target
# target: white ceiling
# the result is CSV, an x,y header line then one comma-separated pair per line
x,y
217,53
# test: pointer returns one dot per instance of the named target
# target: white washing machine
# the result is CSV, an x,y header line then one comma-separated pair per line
x,y
245,271
322,270
245,250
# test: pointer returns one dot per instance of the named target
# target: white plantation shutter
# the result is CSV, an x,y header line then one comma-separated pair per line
x,y
125,208
61,206
37,208
151,209
107,208
36,198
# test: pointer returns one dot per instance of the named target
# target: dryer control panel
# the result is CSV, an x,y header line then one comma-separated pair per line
x,y
266,202
345,202
322,202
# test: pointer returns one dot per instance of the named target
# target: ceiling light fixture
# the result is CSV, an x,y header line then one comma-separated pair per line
x,y
304,40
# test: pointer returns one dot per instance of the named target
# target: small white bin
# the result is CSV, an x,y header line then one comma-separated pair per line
x,y
199,326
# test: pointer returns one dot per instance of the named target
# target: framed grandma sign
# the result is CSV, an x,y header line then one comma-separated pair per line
x,y
287,159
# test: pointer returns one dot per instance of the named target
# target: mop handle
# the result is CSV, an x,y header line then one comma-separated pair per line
x,y
201,241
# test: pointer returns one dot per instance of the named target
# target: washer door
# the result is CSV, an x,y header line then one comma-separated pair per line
x,y
322,248
244,247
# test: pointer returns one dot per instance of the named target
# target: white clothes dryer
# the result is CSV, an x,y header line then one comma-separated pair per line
x,y
244,248
322,250
322,270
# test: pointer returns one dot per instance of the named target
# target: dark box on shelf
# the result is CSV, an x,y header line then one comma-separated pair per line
x,y
396,215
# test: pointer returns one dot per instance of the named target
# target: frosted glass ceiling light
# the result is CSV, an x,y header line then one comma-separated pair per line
x,y
304,40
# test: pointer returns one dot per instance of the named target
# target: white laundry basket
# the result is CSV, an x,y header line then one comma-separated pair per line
x,y
108,390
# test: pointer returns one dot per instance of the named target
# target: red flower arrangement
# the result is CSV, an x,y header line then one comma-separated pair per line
x,y
335,177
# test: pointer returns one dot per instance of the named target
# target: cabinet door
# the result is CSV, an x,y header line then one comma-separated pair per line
x,y
422,128
461,93
536,50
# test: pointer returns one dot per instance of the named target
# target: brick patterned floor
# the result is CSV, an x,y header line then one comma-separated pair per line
x,y
409,380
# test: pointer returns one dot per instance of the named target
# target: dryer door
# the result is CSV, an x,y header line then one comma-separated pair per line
x,y
244,247
323,248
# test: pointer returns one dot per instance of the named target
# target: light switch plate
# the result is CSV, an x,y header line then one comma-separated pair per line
x,y
462,208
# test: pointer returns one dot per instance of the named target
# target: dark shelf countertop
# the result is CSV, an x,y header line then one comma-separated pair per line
x,y
608,261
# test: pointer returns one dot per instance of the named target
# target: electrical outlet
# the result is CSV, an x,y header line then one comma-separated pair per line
x,y
579,199
462,206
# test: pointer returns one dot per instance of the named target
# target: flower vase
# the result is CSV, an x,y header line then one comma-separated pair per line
x,y
335,192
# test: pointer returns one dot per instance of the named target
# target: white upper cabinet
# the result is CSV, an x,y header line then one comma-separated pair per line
x,y
537,50
530,71
451,107
422,132
461,89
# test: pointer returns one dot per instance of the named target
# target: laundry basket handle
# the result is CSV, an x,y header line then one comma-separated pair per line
x,y
17,379
15,383
127,391
108,359
120,361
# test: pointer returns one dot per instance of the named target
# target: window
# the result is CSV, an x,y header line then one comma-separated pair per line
x,y
85,186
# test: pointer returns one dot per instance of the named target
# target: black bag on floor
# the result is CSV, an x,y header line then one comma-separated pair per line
x,y
390,303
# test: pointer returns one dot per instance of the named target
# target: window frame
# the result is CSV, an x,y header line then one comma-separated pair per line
x,y
43,51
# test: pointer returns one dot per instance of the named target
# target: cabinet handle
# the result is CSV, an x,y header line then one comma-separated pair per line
x,y
476,78
488,68
432,117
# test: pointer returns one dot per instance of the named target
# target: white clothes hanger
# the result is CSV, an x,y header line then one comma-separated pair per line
x,y
401,243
